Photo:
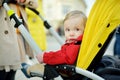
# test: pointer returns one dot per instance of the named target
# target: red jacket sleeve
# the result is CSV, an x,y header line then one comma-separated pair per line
x,y
67,55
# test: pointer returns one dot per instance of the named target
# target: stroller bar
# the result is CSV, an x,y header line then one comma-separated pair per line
x,y
48,26
74,69
22,29
29,39
88,74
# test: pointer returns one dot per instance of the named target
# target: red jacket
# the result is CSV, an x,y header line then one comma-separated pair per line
x,y
67,55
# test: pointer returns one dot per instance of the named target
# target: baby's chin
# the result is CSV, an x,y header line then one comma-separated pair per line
x,y
70,40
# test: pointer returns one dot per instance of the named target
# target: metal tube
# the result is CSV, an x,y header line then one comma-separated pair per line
x,y
88,74
49,27
29,39
26,34
57,37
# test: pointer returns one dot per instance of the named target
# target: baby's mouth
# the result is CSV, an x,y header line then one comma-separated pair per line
x,y
70,40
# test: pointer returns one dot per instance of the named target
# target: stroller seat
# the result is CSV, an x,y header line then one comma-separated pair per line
x,y
102,21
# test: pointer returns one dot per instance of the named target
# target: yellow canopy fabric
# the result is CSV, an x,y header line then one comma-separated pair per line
x,y
36,27
104,17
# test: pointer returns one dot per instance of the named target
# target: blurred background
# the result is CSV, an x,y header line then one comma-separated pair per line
x,y
54,12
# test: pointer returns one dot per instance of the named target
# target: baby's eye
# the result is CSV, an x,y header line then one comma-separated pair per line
x,y
67,29
77,29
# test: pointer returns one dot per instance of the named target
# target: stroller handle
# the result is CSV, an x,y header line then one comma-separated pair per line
x,y
22,29
48,26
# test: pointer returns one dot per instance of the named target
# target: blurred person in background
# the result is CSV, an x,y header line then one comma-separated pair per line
x,y
13,47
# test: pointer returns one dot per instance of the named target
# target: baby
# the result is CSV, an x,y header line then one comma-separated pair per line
x,y
74,24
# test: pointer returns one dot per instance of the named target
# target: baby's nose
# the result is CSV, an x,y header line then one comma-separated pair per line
x,y
72,33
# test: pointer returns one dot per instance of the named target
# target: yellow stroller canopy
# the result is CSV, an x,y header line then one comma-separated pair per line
x,y
102,20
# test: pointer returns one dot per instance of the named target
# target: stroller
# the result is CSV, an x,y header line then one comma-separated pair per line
x,y
101,24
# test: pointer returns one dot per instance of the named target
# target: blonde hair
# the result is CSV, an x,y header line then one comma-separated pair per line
x,y
76,13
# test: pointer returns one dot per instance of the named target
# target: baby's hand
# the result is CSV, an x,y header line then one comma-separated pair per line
x,y
40,57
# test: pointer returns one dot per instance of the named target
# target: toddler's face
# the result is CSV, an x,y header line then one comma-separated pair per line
x,y
73,28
